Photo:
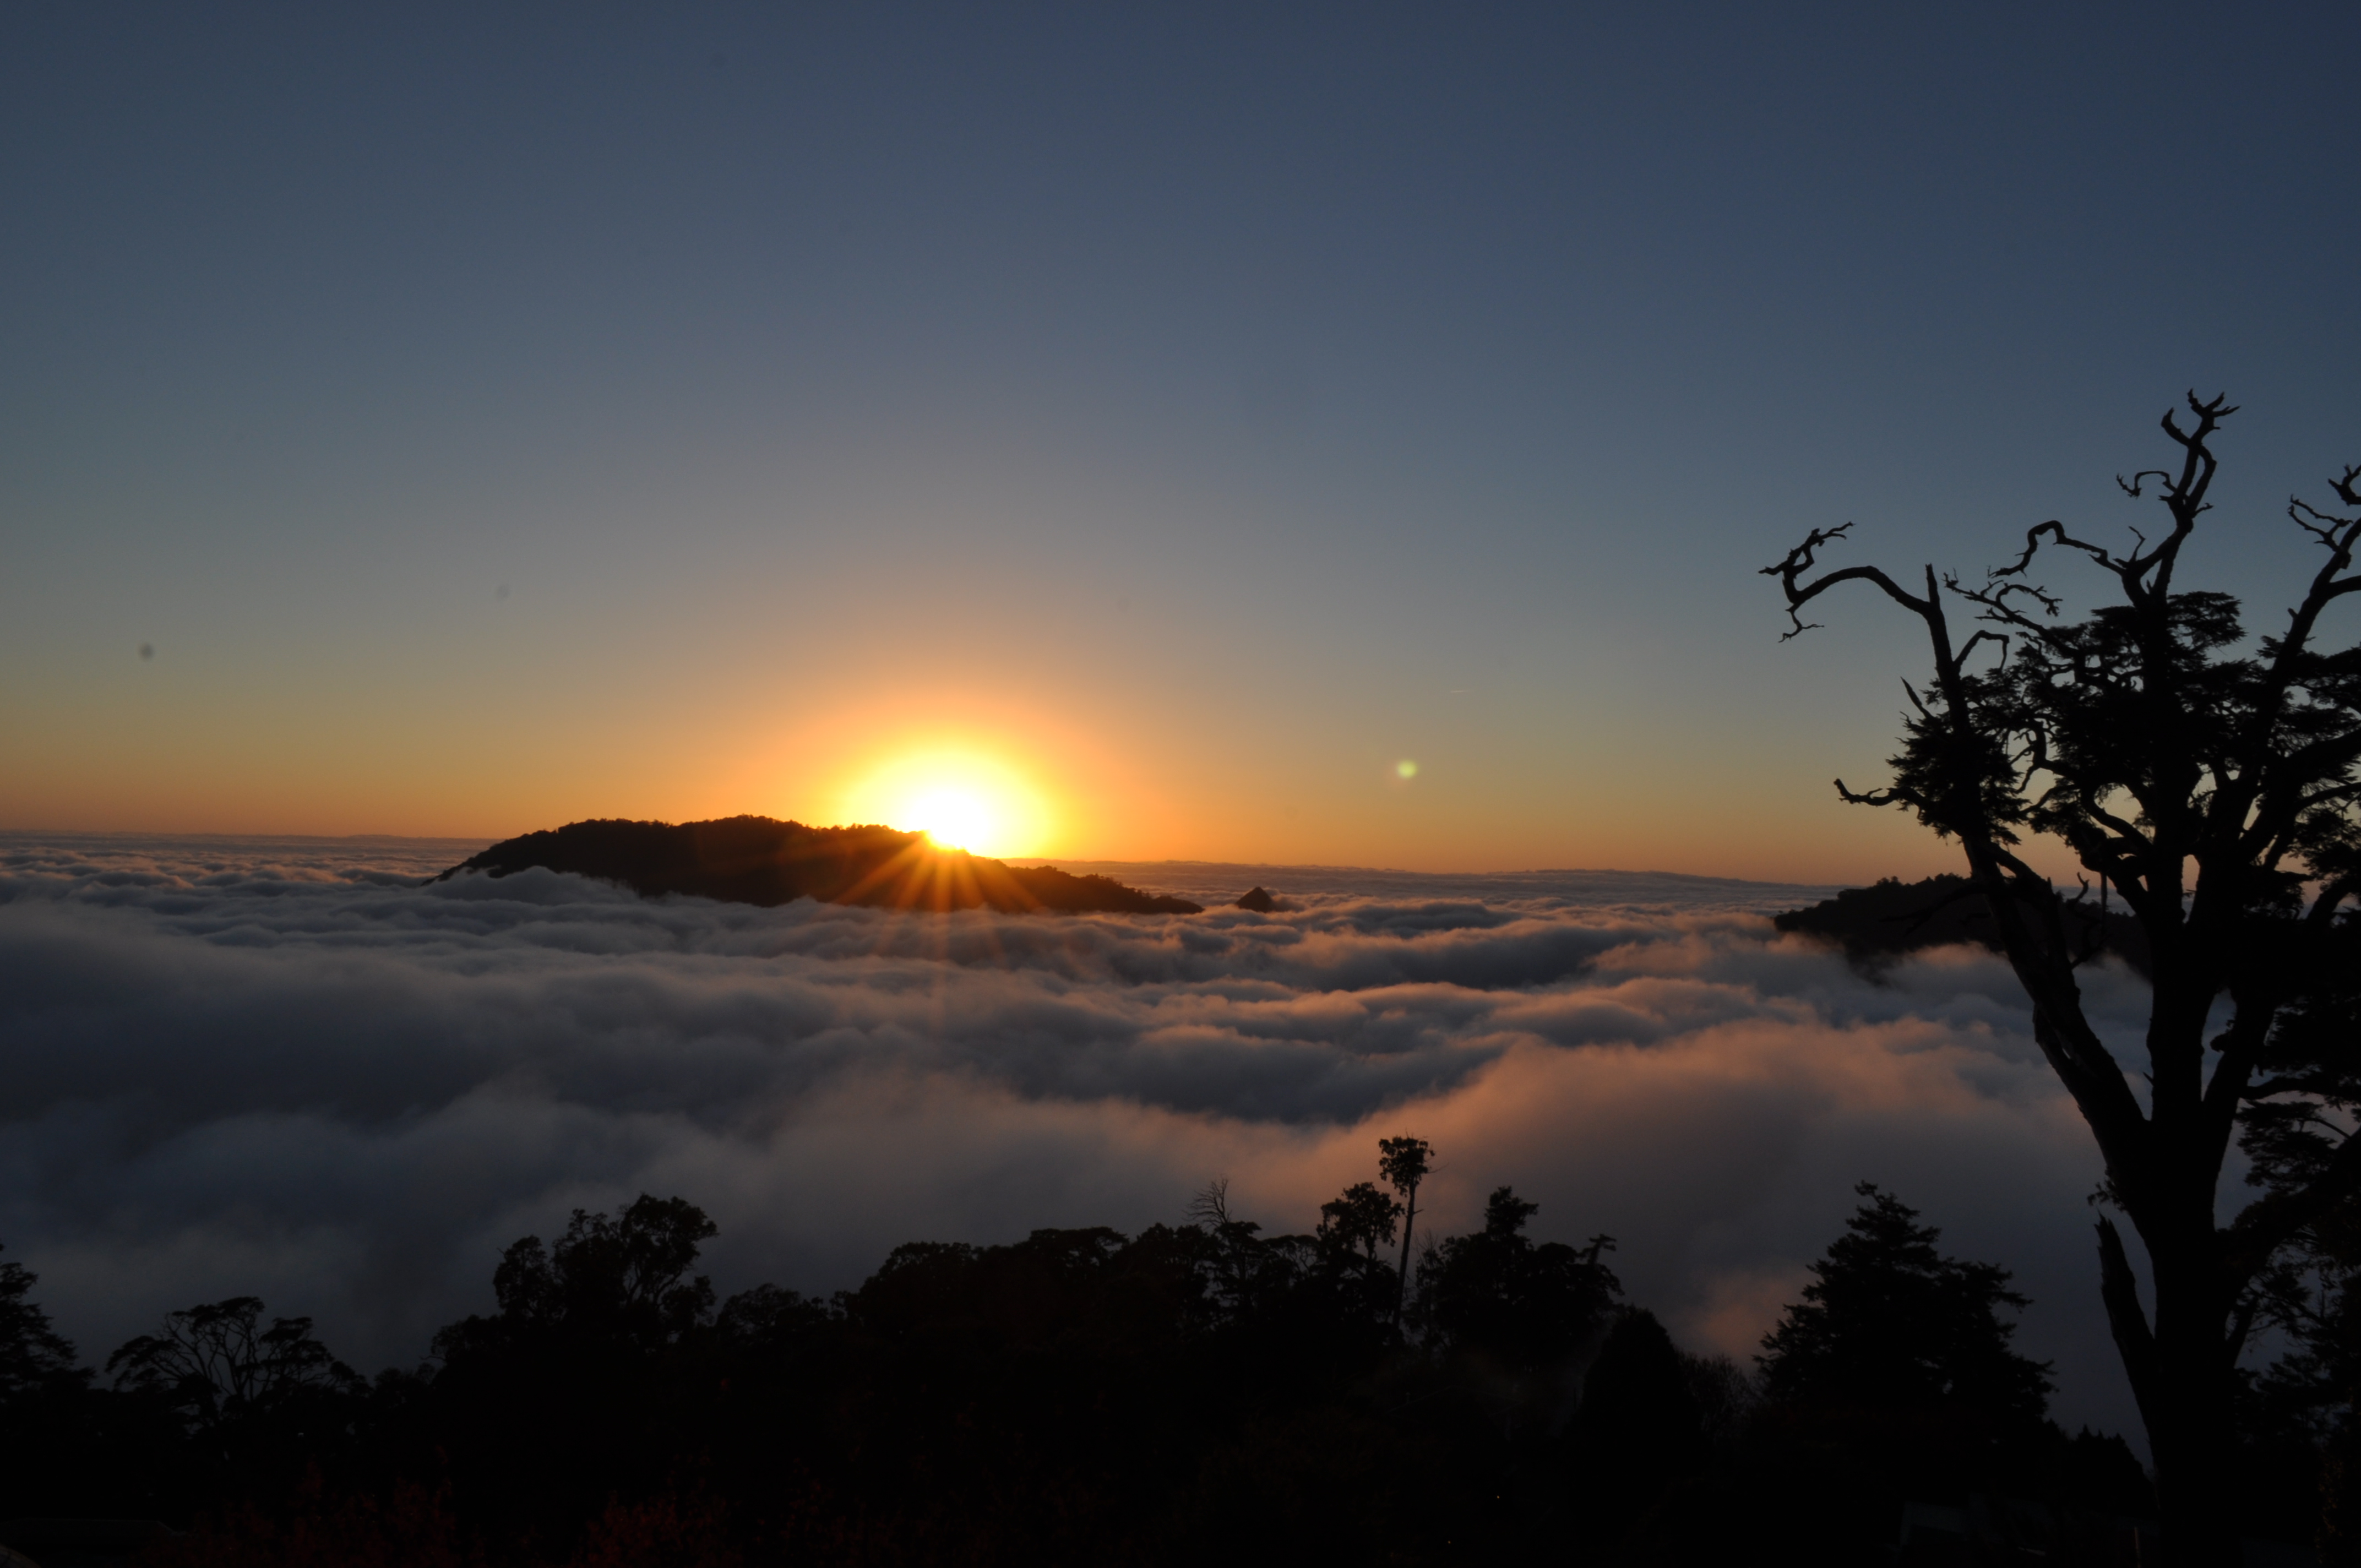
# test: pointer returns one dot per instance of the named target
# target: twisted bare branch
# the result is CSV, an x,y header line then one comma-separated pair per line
x,y
1803,558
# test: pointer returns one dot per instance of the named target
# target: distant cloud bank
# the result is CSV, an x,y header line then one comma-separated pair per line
x,y
282,1067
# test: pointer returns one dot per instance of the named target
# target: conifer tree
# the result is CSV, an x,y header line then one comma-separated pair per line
x,y
1888,1321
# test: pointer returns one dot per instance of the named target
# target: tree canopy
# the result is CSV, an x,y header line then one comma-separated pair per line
x,y
216,1364
1079,1396
1498,1294
1888,1321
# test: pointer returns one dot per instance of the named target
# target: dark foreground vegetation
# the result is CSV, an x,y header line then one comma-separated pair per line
x,y
759,860
1195,1392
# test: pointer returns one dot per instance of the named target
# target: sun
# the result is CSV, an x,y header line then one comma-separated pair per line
x,y
961,798
956,818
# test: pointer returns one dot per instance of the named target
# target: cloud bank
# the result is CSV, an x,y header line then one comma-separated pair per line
x,y
282,1067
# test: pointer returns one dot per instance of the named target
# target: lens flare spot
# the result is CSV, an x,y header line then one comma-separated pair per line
x,y
1405,769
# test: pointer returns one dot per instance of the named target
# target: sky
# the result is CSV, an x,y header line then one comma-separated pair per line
x,y
1178,419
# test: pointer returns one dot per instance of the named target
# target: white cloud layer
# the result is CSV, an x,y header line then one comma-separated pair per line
x,y
284,1069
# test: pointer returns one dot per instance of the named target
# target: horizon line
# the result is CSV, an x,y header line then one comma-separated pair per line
x,y
136,833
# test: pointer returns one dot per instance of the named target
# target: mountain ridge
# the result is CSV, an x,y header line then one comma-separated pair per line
x,y
766,861
1878,925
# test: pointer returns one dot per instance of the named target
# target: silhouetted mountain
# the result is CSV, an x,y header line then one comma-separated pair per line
x,y
1256,900
759,860
1880,924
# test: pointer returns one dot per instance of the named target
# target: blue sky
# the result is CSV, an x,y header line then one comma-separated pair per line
x,y
492,416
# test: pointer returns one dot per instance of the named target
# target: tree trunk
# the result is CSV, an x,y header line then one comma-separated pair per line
x,y
2182,1373
2189,1434
1402,1285
2164,1168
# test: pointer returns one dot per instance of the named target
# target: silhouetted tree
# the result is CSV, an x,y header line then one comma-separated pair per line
x,y
568,1393
613,1276
1889,1321
1239,1267
1405,1162
1360,1286
215,1364
1360,1219
1522,1305
224,1403
32,1352
2152,743
47,1419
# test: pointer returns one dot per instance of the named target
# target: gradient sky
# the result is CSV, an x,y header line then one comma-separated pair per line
x,y
491,416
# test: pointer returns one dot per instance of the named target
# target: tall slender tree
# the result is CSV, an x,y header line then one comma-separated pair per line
x,y
2211,782
1405,1162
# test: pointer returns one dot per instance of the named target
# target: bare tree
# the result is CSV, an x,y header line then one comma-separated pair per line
x,y
2211,783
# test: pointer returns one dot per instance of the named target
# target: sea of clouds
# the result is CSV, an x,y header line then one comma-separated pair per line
x,y
284,1067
